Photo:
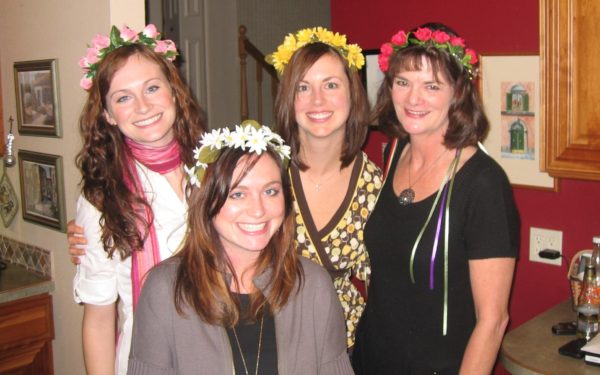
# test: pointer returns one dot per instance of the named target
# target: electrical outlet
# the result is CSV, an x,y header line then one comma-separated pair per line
x,y
540,239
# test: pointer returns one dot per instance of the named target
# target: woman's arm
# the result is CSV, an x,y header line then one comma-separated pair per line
x,y
491,281
99,338
332,332
76,241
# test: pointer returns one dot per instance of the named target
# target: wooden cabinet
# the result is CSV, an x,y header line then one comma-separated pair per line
x,y
26,333
570,54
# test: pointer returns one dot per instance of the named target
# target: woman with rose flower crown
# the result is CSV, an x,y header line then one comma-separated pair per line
x,y
444,234
138,124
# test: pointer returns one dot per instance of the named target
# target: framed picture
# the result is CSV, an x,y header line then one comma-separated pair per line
x,y
372,75
36,89
42,190
510,90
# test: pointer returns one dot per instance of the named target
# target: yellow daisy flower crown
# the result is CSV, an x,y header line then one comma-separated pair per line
x,y
352,53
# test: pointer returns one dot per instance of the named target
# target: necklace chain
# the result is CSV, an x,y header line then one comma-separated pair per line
x,y
319,184
407,196
262,320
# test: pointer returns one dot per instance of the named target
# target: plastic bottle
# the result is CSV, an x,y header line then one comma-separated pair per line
x,y
587,308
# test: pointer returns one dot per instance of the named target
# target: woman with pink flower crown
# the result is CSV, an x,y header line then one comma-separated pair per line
x,y
444,234
138,124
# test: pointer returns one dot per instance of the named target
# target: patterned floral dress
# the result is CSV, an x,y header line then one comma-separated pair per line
x,y
339,246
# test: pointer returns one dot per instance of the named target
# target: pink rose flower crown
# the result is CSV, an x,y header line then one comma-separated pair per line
x,y
102,45
424,36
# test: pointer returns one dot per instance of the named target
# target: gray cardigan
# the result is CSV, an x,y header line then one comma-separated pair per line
x,y
309,330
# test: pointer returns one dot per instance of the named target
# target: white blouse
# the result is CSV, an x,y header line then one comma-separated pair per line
x,y
103,281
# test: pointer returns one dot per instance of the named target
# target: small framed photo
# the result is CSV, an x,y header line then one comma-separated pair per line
x,y
42,189
38,105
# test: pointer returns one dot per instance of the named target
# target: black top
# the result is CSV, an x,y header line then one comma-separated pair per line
x,y
401,329
248,335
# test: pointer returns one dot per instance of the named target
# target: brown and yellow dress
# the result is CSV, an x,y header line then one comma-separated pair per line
x,y
339,246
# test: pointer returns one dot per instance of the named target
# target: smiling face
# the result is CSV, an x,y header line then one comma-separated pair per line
x,y
253,211
421,101
322,100
140,102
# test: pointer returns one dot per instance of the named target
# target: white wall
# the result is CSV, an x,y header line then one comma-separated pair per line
x,y
60,29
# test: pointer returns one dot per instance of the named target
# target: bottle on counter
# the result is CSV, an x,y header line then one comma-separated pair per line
x,y
588,304
596,259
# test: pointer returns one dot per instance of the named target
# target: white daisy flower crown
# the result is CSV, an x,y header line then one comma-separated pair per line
x,y
248,136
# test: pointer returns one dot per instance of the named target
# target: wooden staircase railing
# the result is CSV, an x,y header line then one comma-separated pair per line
x,y
246,48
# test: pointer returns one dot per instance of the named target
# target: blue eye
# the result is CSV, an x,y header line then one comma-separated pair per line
x,y
153,88
236,195
123,99
271,192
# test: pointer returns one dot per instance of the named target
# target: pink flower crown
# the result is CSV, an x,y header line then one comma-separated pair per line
x,y
424,36
102,45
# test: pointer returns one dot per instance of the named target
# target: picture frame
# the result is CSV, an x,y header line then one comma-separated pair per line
x,y
372,75
42,189
38,104
510,90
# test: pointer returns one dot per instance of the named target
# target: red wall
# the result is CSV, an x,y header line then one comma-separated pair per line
x,y
492,27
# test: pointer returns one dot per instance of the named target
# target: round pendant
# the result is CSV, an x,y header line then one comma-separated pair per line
x,y
406,197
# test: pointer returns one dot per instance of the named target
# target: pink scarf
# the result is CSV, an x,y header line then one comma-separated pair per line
x,y
161,160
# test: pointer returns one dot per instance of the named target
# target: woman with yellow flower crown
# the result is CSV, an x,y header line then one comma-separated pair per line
x,y
444,234
322,112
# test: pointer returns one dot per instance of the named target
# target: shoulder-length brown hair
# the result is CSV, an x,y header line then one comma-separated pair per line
x,y
102,159
468,123
205,270
285,118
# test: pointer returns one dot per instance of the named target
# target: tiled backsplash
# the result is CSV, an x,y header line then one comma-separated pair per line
x,y
34,258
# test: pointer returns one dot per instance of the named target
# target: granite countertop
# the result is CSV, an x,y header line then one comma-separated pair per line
x,y
17,282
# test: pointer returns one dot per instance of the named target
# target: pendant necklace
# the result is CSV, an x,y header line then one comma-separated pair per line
x,y
262,320
407,196
318,185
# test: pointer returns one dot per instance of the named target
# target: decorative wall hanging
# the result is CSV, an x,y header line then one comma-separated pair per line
x,y
42,190
38,105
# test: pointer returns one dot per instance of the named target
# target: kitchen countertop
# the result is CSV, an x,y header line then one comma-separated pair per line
x,y
17,282
532,349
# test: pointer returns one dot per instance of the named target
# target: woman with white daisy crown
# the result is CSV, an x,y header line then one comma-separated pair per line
x,y
138,124
236,299
444,234
322,111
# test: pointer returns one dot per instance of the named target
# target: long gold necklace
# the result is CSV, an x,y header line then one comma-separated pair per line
x,y
262,320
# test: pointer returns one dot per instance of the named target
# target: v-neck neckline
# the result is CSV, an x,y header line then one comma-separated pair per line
x,y
339,213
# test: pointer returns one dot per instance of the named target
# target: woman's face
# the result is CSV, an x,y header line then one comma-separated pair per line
x,y
141,103
421,101
253,211
322,101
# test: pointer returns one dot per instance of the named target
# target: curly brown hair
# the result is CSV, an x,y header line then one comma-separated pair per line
x,y
103,160
468,123
285,119
201,281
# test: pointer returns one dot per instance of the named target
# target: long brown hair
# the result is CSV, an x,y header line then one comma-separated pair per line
x,y
467,121
205,269
285,118
102,159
